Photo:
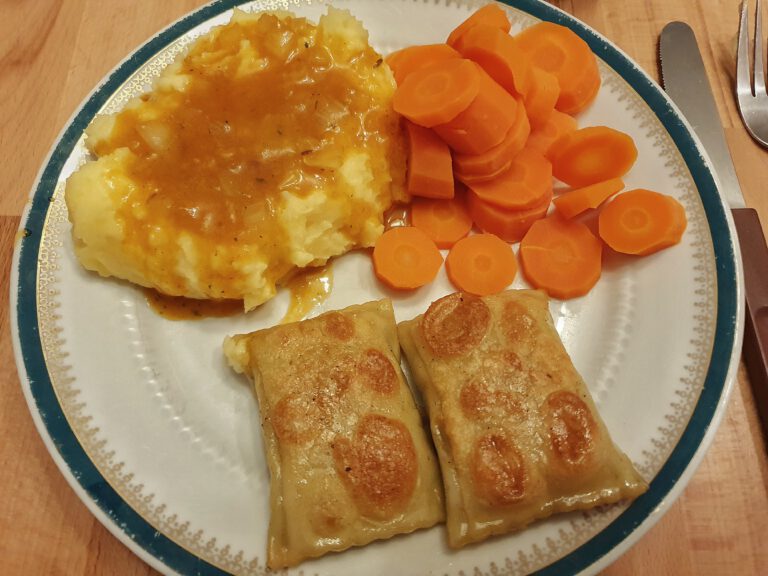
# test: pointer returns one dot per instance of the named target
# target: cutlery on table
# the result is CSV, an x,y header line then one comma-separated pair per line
x,y
685,81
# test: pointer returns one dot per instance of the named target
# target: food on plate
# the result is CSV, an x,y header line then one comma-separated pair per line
x,y
509,225
444,221
593,154
406,258
558,50
543,137
540,100
561,257
575,202
437,93
517,433
481,264
403,62
430,171
349,460
268,146
642,222
489,15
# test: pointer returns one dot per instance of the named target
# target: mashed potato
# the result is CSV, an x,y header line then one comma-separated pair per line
x,y
270,145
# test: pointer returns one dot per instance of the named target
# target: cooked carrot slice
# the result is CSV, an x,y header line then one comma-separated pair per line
x,y
437,93
481,264
430,169
498,54
541,98
575,202
591,155
561,257
484,123
526,183
559,51
445,221
509,225
642,222
543,137
406,258
489,15
407,60
491,162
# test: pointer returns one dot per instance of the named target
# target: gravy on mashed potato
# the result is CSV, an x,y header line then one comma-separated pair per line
x,y
270,145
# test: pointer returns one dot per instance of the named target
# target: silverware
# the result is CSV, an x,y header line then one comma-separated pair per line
x,y
685,80
752,97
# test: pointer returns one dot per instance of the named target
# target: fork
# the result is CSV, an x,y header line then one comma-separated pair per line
x,y
752,96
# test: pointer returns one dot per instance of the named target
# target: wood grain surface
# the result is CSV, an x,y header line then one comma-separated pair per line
x,y
52,53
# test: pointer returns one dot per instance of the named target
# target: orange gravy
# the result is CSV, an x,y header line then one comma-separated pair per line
x,y
180,308
308,289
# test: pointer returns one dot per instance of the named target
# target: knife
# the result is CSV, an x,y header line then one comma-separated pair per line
x,y
685,81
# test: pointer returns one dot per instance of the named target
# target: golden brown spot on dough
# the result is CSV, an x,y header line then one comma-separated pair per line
x,y
518,324
378,466
295,419
455,324
481,399
377,372
572,428
338,326
498,471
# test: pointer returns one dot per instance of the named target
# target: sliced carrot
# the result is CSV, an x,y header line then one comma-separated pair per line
x,y
577,201
591,155
406,258
430,169
561,257
481,264
509,225
492,161
407,60
559,51
498,54
541,98
437,93
526,183
642,222
484,123
490,15
543,137
470,179
445,221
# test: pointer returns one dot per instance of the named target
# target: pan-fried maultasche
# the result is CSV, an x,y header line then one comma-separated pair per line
x,y
516,431
348,457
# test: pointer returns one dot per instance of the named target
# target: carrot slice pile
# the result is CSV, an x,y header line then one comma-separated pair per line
x,y
527,183
412,58
484,123
591,155
642,222
509,225
562,257
541,98
580,200
559,51
430,169
543,137
444,221
406,258
481,264
478,167
489,15
498,54
437,93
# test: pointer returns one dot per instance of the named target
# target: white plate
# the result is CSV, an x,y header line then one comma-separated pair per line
x,y
162,441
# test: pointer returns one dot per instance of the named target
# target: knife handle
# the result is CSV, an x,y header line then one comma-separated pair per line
x,y
754,254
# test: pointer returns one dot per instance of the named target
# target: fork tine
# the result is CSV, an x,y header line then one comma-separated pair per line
x,y
759,82
743,80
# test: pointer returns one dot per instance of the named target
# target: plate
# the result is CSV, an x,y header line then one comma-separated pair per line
x,y
162,441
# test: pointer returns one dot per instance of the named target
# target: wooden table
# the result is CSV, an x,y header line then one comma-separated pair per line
x,y
52,53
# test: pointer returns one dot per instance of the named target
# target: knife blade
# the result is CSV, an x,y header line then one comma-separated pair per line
x,y
685,80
